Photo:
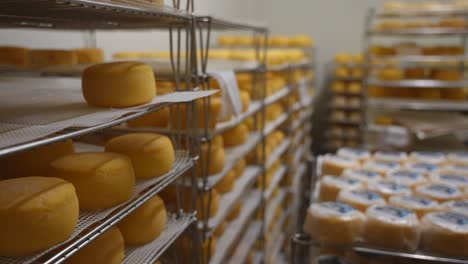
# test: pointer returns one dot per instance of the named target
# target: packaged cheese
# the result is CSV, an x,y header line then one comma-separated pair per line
x,y
439,192
422,167
459,181
365,176
436,158
458,158
354,153
388,188
361,199
460,207
381,167
391,227
418,204
455,169
330,186
391,156
334,223
335,165
406,177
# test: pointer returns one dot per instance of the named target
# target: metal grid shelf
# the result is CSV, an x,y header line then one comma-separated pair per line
x,y
277,96
222,24
422,32
275,124
418,83
247,243
277,153
417,104
254,108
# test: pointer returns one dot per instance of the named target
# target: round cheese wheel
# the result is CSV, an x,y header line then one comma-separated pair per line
x,y
459,181
14,56
240,168
365,176
334,223
89,55
330,186
226,184
152,154
118,84
391,227
406,177
428,157
361,199
460,207
145,223
47,58
418,204
108,248
354,153
335,165
439,192
36,213
236,136
381,167
235,211
245,98
220,230
101,179
212,160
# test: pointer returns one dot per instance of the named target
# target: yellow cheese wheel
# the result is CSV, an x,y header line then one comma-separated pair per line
x,y
152,154
35,213
274,111
159,118
301,41
235,211
240,168
118,84
330,186
106,249
14,56
226,40
220,230
204,120
391,74
226,183
245,98
145,223
236,136
90,55
208,206
35,161
101,179
211,160
48,58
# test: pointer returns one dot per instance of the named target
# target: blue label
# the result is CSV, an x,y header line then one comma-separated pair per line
x,y
339,207
430,154
368,195
406,174
393,186
442,188
394,211
455,178
366,173
454,218
424,166
461,204
420,200
387,164
347,180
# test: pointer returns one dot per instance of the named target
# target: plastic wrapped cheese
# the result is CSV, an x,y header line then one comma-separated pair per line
x,y
388,188
458,158
381,167
354,153
391,156
420,205
406,177
365,176
428,157
422,167
335,165
391,227
455,169
330,186
460,207
445,234
361,199
439,192
459,181
333,223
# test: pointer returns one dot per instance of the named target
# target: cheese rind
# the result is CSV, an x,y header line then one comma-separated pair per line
x,y
36,213
158,118
226,183
101,179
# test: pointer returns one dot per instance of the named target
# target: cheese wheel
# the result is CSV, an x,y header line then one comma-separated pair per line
x,y
446,234
47,58
144,224
158,118
439,192
152,154
335,165
212,160
334,223
220,230
459,181
119,84
108,248
240,168
418,204
330,186
14,56
354,153
245,99
301,41
89,55
36,213
455,169
406,177
235,211
35,161
236,136
388,188
391,227
101,179
226,184
360,199
208,205
436,158
460,207
459,158
381,167
390,156
422,167
365,176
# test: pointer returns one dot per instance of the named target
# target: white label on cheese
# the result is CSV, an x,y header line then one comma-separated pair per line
x,y
232,103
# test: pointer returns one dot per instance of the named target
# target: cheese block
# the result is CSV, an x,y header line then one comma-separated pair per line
x,y
101,179
226,184
108,248
212,160
47,58
89,55
381,167
406,177
391,156
334,223
354,153
118,84
240,168
330,186
436,158
335,165
418,204
422,167
158,118
460,207
152,154
459,181
455,169
208,205
235,211
439,192
458,158
245,98
445,234
391,227
144,224
35,161
364,176
14,56
236,136
36,213
388,188
360,199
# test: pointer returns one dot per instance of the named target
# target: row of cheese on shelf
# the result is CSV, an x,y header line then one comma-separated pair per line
x,y
343,116
425,5
348,71
396,74
342,101
340,87
303,41
420,93
42,58
349,58
412,48
442,23
73,182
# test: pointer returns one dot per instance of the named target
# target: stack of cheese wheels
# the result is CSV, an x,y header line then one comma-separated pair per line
x,y
334,223
36,214
406,177
330,186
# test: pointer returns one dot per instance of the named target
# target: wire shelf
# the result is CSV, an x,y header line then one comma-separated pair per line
x,y
254,108
276,154
277,177
273,125
417,104
272,206
223,24
246,243
277,96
